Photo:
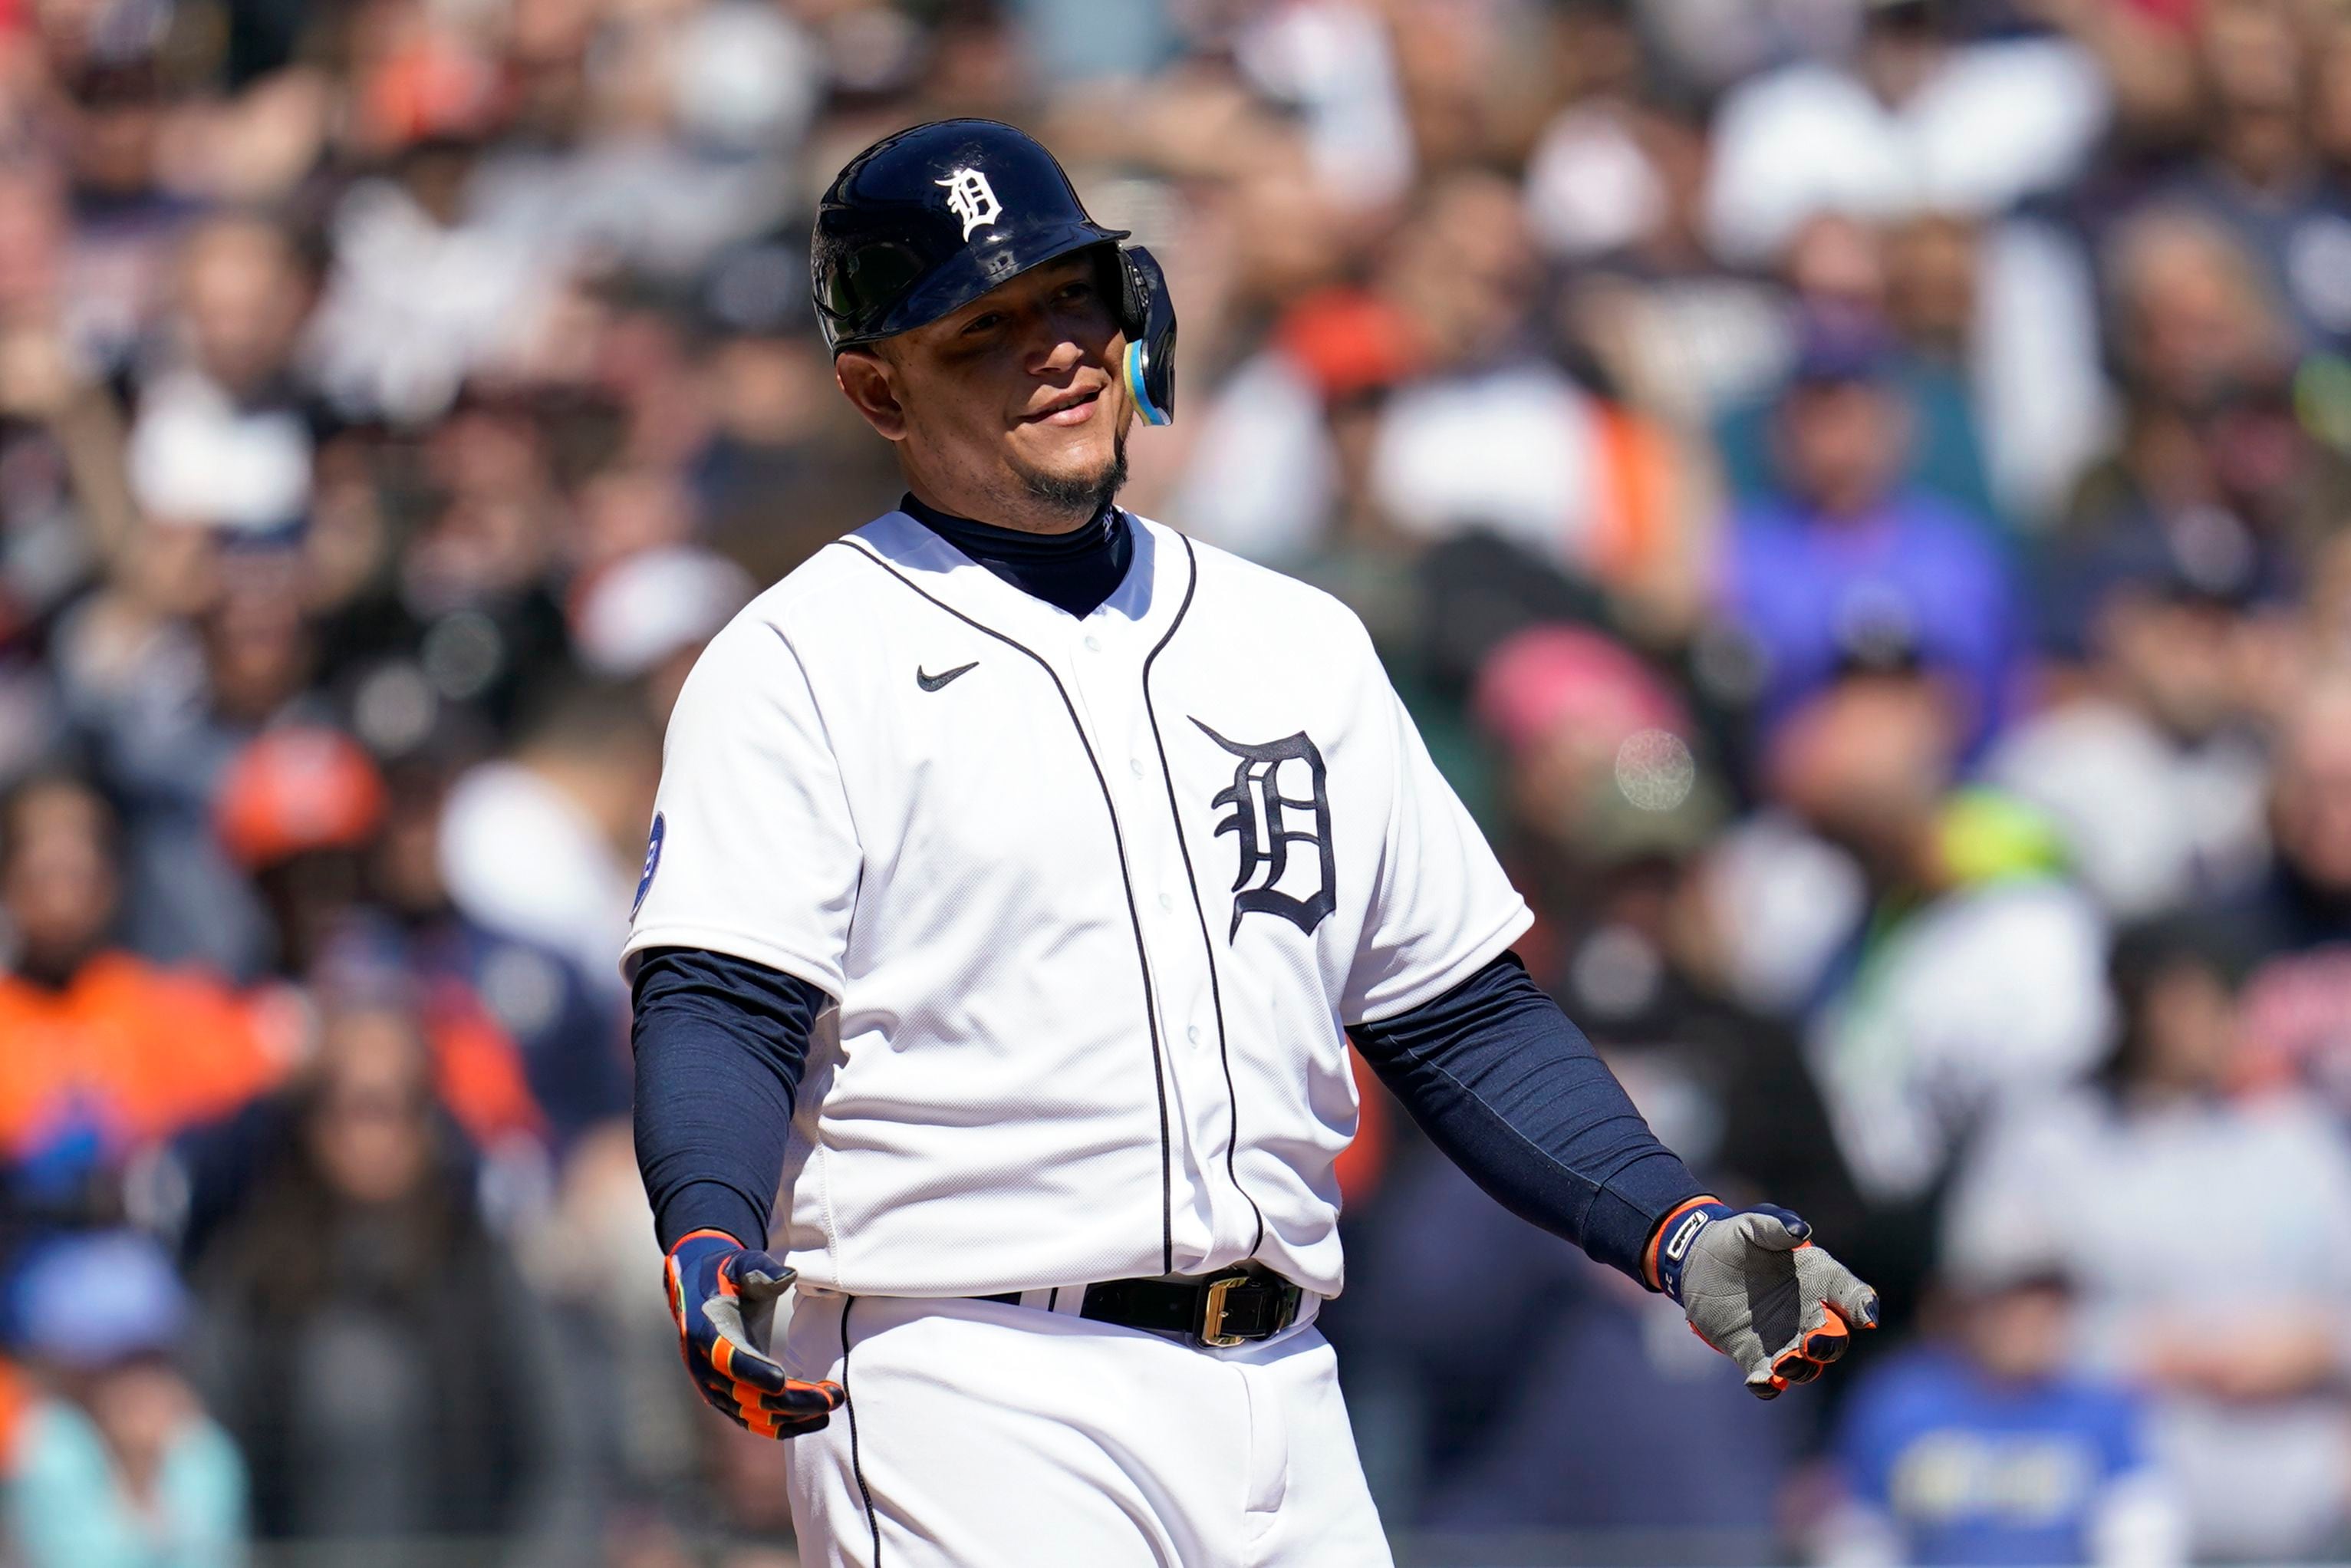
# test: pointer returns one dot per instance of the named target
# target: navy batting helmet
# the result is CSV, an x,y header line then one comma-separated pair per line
x,y
927,220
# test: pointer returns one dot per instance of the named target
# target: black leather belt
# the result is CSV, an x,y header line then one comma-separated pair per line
x,y
1234,1306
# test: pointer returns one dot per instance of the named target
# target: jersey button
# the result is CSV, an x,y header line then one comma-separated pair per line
x,y
1193,1034
1093,644
1166,902
1135,766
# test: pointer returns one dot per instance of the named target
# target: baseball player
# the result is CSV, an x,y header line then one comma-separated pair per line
x,y
1019,872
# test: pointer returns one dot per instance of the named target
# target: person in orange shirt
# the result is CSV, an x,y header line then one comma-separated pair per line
x,y
104,1052
302,809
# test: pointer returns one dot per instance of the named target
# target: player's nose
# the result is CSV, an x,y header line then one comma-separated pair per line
x,y
1053,350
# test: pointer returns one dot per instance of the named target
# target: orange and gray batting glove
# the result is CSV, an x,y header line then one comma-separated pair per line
x,y
1756,1289
723,1296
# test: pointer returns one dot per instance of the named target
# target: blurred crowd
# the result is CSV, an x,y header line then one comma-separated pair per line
x,y
1857,494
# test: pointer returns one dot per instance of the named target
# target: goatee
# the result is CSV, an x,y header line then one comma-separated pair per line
x,y
1081,496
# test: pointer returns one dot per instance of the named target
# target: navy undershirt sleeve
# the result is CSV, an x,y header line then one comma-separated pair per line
x,y
1503,1084
720,1046
1514,1095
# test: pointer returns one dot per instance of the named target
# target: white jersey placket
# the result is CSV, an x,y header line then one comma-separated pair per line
x,y
1102,659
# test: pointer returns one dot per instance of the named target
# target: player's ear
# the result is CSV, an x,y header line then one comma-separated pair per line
x,y
864,378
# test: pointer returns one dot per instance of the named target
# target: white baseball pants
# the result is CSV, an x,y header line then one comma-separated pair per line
x,y
983,1435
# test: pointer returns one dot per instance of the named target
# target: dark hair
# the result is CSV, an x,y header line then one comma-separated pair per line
x,y
61,780
2144,954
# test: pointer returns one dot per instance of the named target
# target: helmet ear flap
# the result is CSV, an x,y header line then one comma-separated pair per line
x,y
1148,313
1132,292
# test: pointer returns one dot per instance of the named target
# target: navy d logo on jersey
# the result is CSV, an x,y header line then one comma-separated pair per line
x,y
1267,823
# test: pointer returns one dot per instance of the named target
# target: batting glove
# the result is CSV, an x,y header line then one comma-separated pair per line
x,y
723,1296
1756,1289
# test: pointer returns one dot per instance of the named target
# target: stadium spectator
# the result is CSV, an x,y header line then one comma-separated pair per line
x,y
107,1053
128,222
1921,120
341,1333
303,811
547,843
2210,422
2161,1163
420,293
1979,1446
1842,274
1473,1417
115,1464
1610,809
1469,430
163,730
499,997
2258,173
2148,758
648,617
223,433
2296,917
1844,562
1912,1049
296,809
1614,189
1489,435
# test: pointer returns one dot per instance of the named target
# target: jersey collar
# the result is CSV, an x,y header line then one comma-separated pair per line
x,y
1145,601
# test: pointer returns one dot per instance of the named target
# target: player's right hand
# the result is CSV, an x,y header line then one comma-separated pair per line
x,y
723,1296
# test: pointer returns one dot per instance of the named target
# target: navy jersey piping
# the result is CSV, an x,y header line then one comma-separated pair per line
x,y
1176,815
856,1467
1127,880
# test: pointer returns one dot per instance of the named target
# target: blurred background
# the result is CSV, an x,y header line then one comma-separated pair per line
x,y
1856,492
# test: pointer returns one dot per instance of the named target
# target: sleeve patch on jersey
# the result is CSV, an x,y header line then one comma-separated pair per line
x,y
653,863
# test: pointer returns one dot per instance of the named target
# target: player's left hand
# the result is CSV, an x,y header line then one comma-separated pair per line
x,y
722,1297
1756,1289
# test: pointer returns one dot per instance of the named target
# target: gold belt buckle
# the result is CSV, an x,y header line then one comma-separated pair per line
x,y
1212,1318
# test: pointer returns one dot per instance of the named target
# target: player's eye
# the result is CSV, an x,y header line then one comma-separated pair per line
x,y
1073,292
985,322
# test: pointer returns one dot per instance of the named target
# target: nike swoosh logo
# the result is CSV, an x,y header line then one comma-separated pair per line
x,y
933,683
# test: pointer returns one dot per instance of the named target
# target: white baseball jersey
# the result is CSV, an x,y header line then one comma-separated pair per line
x,y
1093,897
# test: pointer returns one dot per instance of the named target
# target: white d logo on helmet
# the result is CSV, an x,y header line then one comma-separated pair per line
x,y
970,199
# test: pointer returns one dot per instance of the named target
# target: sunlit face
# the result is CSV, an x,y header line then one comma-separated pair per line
x,y
2178,659
58,887
1866,761
2312,810
1841,444
243,298
1011,404
2189,1021
370,1131
2020,1334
